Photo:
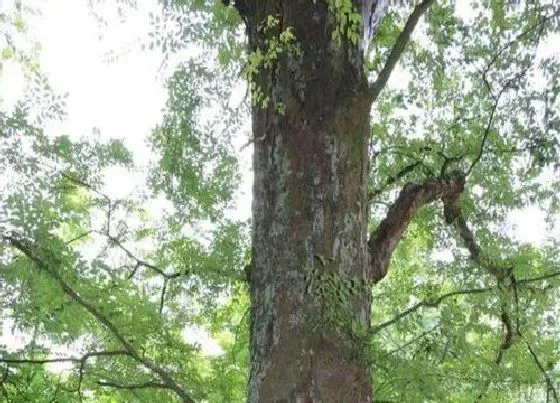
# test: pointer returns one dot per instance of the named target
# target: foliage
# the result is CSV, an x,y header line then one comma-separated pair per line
x,y
347,20
259,60
110,287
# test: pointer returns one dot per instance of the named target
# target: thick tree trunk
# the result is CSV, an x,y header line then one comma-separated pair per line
x,y
312,264
309,212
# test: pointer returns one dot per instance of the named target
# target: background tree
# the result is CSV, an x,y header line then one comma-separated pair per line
x,y
471,136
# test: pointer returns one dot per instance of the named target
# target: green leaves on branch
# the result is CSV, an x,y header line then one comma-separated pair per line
x,y
275,45
348,21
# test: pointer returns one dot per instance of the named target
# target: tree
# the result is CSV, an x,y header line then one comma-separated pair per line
x,y
340,197
310,214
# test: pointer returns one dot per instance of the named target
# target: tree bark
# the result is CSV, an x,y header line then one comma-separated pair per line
x,y
309,211
310,204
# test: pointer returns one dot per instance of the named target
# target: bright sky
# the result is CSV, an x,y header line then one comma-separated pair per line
x,y
124,98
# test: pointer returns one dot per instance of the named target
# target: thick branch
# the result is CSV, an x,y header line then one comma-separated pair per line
x,y
27,250
398,48
384,240
453,214
508,336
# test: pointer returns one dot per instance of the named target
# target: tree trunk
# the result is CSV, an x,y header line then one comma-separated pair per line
x,y
312,265
309,212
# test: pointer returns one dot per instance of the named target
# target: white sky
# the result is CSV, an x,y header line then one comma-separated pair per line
x,y
124,98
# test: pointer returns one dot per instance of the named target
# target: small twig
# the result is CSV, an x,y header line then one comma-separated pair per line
x,y
484,137
392,179
78,237
520,36
162,297
251,141
539,278
134,270
139,262
496,99
81,360
414,340
433,303
84,184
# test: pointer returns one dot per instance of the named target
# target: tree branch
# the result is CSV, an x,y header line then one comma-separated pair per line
x,y
385,238
507,85
412,341
496,100
81,360
79,182
162,296
539,278
539,24
484,136
392,179
508,336
398,48
434,303
428,303
18,361
454,215
143,385
27,250
549,383
139,262
111,205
